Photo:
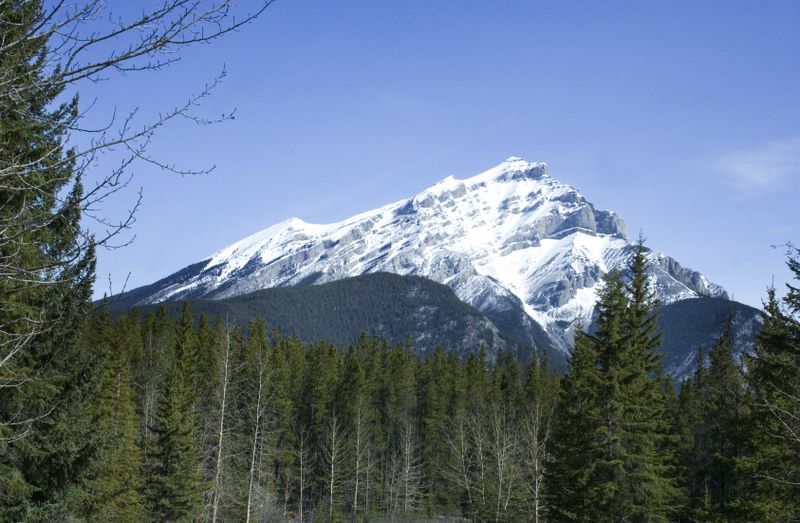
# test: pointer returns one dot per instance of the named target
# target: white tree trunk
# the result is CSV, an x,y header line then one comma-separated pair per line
x,y
537,428
254,447
226,353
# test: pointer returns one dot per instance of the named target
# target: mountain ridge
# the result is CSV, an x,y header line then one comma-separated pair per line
x,y
525,249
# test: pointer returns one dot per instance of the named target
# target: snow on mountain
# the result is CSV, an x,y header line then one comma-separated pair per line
x,y
525,249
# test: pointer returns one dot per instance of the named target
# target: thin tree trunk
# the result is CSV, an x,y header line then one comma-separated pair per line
x,y
333,454
302,472
499,462
221,427
256,435
479,454
463,457
330,488
358,460
366,483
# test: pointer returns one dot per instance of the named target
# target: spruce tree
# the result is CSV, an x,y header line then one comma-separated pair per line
x,y
280,420
113,486
650,472
175,482
150,366
607,453
620,466
45,284
689,430
774,378
209,364
720,445
573,434
431,401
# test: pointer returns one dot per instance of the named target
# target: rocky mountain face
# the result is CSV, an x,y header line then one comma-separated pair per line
x,y
525,249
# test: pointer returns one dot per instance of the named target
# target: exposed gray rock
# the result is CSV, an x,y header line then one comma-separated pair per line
x,y
517,244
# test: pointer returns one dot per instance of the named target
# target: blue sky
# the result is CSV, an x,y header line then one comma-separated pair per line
x,y
684,117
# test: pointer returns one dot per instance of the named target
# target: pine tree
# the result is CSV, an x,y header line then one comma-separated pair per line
x,y
280,419
720,436
431,401
689,430
150,367
210,371
573,433
625,469
175,483
608,452
774,377
319,408
113,486
457,436
46,275
398,412
650,473
295,447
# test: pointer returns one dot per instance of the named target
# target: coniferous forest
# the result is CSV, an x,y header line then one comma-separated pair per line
x,y
149,418
145,417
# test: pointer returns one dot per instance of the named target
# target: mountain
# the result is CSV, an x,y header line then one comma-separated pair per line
x,y
523,248
689,326
382,304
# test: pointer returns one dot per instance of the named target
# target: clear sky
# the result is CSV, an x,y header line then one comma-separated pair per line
x,y
684,117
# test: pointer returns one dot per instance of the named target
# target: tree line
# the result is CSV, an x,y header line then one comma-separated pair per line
x,y
196,420
186,419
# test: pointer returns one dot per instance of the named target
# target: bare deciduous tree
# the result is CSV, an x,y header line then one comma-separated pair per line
x,y
75,44
360,436
258,401
503,446
302,457
404,485
333,454
537,427
460,470
227,370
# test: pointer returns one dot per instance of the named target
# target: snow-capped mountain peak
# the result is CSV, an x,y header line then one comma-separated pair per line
x,y
516,243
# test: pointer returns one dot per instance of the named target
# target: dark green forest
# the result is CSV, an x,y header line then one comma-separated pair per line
x,y
385,305
160,419
394,307
147,417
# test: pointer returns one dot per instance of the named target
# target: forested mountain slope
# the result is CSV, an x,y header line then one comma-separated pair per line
x,y
397,308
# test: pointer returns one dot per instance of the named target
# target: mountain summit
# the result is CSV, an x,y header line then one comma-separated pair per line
x,y
522,247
